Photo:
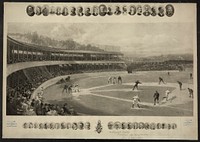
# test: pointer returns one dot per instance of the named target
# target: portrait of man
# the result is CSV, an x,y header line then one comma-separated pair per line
x,y
36,125
80,11
69,125
38,10
109,11
169,10
63,125
45,10
73,11
87,125
152,126
102,10
132,10
161,11
65,11
74,126
46,126
30,125
117,10
25,125
80,125
87,11
110,125
117,125
153,11
52,10
164,126
174,126
124,10
146,126
30,10
139,10
52,125
169,126
41,126
147,9
57,125
129,125
135,125
159,125
95,11
124,125
141,125
58,11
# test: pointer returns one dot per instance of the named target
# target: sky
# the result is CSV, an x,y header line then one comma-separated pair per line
x,y
141,39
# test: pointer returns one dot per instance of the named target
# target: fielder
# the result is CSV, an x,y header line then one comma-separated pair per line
x,y
136,101
167,92
136,84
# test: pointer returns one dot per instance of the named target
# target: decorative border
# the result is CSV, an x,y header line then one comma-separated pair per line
x,y
98,128
55,125
102,10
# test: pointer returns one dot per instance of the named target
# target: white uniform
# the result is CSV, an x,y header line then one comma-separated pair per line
x,y
136,101
167,92
114,80
110,80
76,88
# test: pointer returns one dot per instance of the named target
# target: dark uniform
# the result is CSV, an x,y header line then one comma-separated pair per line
x,y
65,88
136,84
190,92
191,76
161,80
117,11
180,85
156,97
109,11
120,80
87,12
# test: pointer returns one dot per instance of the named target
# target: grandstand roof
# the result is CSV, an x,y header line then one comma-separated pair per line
x,y
46,48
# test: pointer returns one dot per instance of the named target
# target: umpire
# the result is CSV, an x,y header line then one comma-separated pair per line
x,y
156,97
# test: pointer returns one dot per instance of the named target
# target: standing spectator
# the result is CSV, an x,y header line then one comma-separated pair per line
x,y
62,112
190,92
24,106
191,77
66,109
156,98
39,109
180,84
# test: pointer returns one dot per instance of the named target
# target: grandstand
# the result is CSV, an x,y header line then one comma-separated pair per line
x,y
29,65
